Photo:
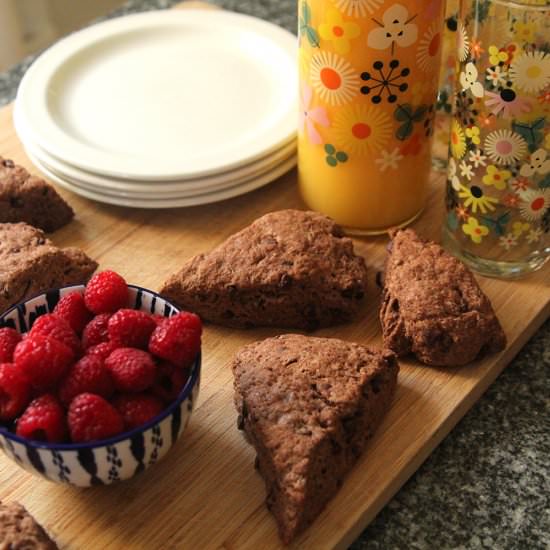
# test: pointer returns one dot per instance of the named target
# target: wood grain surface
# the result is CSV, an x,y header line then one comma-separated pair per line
x,y
206,493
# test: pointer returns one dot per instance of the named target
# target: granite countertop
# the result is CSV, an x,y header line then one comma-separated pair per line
x,y
488,484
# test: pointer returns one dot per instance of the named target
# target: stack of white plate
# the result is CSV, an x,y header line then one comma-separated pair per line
x,y
163,109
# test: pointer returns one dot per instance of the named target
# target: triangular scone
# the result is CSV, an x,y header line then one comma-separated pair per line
x,y
29,199
30,264
309,405
19,530
288,269
433,307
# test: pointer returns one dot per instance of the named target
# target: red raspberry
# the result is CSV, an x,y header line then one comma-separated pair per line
x,y
15,392
73,310
138,408
131,328
92,418
54,327
9,338
102,350
95,332
43,420
106,292
132,370
89,375
43,360
177,339
169,381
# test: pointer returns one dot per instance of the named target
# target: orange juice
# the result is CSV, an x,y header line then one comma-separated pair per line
x,y
369,77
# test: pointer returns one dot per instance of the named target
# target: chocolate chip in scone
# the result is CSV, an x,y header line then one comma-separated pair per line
x,y
433,307
288,269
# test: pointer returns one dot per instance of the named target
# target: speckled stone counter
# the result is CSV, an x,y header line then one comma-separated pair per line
x,y
488,484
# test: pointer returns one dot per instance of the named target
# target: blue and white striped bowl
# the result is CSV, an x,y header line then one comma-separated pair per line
x,y
117,458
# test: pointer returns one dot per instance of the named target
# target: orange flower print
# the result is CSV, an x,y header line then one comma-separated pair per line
x,y
333,78
429,47
462,213
476,50
511,200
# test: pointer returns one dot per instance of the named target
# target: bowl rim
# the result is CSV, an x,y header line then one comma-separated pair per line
x,y
183,395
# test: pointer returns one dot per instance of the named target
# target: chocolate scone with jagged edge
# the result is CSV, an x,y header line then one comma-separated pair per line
x,y
30,199
309,406
433,307
287,269
20,531
30,264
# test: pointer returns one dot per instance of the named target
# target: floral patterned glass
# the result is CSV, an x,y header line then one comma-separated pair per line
x,y
498,190
369,76
446,86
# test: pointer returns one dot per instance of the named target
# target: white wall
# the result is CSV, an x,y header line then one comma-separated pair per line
x,y
27,26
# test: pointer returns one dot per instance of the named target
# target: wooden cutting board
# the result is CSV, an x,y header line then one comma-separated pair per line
x,y
206,493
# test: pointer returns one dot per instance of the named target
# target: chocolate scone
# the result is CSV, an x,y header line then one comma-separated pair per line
x,y
30,264
20,531
30,199
288,269
433,307
309,406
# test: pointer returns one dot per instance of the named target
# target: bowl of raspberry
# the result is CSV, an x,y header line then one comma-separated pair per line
x,y
97,382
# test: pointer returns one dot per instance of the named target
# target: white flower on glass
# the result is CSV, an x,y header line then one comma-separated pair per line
x,y
530,71
534,235
508,241
538,164
395,29
389,160
534,204
477,158
358,8
505,146
466,170
451,173
468,80
496,76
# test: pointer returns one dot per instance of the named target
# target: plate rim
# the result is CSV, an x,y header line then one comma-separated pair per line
x,y
31,96
150,194
208,198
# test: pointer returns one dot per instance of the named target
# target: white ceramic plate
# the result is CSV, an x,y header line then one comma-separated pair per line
x,y
164,95
174,202
155,188
140,191
152,187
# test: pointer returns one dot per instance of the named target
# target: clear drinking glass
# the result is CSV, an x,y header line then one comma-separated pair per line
x,y
498,187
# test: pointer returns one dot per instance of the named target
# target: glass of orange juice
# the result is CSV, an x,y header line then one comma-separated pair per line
x,y
369,78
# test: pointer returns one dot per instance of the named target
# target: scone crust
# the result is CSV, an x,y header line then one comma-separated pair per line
x,y
30,264
290,268
20,531
308,406
30,199
433,307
